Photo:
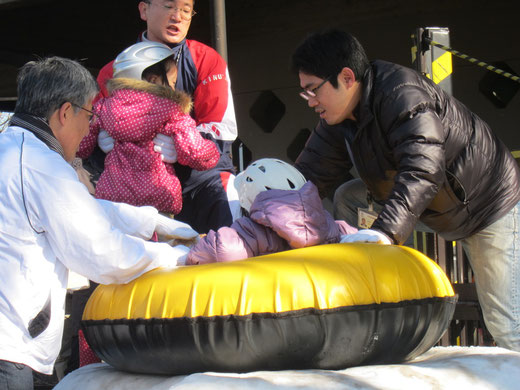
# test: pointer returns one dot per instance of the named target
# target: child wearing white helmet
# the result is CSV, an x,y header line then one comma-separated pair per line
x,y
142,105
285,212
266,174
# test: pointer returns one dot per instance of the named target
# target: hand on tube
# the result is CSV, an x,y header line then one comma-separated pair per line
x,y
366,235
105,141
163,144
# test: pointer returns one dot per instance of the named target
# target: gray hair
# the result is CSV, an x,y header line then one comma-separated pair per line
x,y
46,84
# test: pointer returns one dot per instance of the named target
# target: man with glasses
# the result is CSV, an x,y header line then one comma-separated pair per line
x,y
422,157
203,74
50,224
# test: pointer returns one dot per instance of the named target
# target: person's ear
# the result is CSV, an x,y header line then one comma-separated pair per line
x,y
143,7
65,112
347,76
154,79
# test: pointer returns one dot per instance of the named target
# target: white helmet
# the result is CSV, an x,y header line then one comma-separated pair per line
x,y
132,61
266,174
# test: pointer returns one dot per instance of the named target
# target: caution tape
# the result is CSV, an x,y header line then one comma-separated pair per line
x,y
473,60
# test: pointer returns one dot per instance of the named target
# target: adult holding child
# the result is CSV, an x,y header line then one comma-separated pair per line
x,y
143,102
203,74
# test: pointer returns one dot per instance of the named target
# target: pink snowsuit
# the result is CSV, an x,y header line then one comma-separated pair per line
x,y
280,220
133,114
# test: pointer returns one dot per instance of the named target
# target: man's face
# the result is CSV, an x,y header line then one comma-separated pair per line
x,y
166,19
76,128
334,105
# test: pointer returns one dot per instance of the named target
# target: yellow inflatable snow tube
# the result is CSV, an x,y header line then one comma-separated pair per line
x,y
327,307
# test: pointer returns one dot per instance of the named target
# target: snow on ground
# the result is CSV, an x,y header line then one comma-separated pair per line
x,y
440,368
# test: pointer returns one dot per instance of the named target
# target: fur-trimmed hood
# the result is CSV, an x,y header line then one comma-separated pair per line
x,y
181,98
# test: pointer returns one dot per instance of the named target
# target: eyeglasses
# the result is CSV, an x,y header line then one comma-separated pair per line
x,y
186,13
92,113
311,93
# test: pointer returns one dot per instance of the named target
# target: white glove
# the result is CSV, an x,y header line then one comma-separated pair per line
x,y
182,252
163,144
170,228
366,235
105,141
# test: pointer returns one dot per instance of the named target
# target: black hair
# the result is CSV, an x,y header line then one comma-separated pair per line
x,y
325,53
160,69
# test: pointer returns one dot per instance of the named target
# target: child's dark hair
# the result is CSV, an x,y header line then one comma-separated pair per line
x,y
160,69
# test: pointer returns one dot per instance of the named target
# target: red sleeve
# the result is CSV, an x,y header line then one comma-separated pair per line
x,y
211,94
212,100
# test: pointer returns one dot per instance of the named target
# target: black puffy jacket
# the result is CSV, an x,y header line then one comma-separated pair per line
x,y
421,153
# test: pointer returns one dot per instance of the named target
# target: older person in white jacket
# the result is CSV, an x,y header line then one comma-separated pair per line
x,y
50,224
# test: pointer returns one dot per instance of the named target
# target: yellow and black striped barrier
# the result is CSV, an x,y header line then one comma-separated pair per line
x,y
472,60
433,63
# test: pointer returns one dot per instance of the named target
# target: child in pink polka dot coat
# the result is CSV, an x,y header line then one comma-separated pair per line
x,y
133,114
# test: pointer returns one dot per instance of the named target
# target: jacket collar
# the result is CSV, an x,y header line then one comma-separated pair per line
x,y
39,127
176,47
364,113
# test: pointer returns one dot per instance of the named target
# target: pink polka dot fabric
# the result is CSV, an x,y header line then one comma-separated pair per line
x,y
134,173
86,354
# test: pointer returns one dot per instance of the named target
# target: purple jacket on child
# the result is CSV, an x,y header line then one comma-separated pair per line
x,y
279,220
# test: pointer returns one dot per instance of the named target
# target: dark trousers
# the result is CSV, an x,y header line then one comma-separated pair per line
x,y
15,376
79,301
206,207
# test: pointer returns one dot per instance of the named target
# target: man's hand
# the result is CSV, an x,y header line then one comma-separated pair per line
x,y
367,235
163,144
105,141
170,228
182,254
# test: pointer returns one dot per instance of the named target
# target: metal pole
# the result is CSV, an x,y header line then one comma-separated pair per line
x,y
218,24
